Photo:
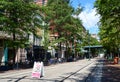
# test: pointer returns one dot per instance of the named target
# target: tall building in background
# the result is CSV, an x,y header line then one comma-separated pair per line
x,y
95,36
41,2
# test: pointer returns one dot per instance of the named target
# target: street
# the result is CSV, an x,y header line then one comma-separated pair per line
x,y
79,71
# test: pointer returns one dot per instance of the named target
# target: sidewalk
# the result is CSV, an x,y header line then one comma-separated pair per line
x,y
111,72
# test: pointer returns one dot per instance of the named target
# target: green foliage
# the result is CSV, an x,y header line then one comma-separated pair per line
x,y
19,18
88,40
58,14
94,41
109,23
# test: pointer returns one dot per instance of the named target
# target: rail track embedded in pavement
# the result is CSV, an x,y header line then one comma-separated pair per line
x,y
78,71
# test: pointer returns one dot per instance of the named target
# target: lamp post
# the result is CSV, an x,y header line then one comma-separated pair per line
x,y
89,44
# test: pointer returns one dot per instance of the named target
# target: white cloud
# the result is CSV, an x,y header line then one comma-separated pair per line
x,y
89,18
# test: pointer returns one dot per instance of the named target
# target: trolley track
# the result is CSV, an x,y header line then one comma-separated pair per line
x,y
77,72
26,74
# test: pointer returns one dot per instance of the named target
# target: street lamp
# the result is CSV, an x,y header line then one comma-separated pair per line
x,y
89,44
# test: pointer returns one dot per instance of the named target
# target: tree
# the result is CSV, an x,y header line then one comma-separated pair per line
x,y
109,23
59,16
54,15
19,18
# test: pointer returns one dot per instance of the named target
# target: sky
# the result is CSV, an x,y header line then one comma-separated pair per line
x,y
88,15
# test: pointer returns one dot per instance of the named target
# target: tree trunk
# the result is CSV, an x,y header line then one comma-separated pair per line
x,y
14,50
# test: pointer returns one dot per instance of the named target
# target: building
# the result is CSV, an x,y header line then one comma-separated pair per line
x,y
3,48
52,36
95,36
41,2
6,53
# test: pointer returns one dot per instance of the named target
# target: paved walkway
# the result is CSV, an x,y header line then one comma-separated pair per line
x,y
65,72
111,72
80,71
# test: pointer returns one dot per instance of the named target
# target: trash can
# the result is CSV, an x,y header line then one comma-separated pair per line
x,y
116,60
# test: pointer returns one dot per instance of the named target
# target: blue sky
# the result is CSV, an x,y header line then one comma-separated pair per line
x,y
88,15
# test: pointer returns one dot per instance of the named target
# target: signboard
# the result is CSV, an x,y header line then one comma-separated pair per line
x,y
38,70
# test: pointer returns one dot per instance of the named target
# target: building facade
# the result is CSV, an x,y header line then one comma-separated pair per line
x,y
41,2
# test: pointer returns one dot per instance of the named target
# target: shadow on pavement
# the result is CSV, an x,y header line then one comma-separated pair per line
x,y
111,72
